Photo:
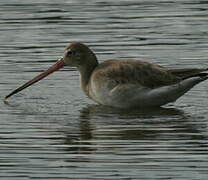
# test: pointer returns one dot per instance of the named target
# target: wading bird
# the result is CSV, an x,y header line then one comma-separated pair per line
x,y
124,83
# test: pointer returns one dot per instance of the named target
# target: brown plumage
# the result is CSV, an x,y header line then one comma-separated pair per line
x,y
136,72
124,83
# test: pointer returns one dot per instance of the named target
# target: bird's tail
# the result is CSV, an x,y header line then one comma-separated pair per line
x,y
190,72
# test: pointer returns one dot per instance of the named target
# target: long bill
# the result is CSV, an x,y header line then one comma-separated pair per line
x,y
59,64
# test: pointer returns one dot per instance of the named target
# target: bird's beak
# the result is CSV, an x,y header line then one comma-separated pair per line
x,y
59,64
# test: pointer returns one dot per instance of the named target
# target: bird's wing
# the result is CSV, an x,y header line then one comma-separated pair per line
x,y
188,72
136,72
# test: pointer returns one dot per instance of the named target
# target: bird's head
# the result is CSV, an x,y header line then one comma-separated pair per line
x,y
78,55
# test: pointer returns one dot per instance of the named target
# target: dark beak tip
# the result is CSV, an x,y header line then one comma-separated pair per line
x,y
59,64
6,100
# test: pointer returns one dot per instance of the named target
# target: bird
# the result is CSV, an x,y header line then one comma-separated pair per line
x,y
124,83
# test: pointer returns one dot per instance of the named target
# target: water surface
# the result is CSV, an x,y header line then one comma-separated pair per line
x,y
52,131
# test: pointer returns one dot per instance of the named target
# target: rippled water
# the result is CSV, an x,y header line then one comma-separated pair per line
x,y
52,131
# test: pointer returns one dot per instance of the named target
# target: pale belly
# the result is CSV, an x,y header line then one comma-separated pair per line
x,y
130,95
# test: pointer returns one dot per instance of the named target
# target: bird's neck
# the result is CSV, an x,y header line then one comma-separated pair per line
x,y
85,73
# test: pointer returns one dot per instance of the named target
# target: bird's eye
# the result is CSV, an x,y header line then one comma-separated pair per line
x,y
70,52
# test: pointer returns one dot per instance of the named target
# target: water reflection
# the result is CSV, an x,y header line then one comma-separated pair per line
x,y
95,109
104,127
80,142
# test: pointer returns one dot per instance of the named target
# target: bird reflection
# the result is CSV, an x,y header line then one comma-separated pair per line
x,y
92,110
100,123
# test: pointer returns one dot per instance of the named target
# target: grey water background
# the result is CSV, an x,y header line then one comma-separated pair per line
x,y
52,131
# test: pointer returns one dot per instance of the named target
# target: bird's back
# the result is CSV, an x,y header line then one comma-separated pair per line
x,y
134,72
